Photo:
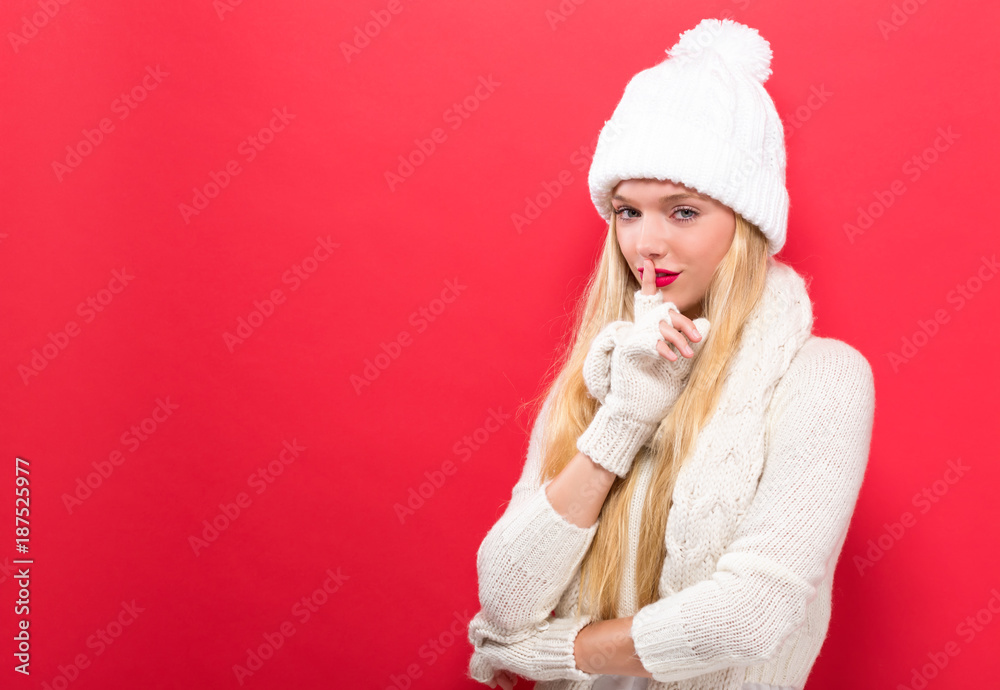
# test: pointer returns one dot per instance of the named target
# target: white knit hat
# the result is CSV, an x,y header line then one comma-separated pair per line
x,y
702,118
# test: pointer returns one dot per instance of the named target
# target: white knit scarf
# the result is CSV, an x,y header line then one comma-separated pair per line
x,y
718,480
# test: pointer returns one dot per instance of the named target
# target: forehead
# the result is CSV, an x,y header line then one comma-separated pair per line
x,y
645,186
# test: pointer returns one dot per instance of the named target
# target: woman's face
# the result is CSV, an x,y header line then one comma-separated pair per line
x,y
676,228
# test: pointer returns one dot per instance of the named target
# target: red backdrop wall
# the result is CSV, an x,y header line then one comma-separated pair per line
x,y
275,288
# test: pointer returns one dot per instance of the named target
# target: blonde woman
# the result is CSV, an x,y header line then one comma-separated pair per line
x,y
695,463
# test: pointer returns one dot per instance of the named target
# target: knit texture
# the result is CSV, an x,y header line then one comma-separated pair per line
x,y
642,385
702,118
759,517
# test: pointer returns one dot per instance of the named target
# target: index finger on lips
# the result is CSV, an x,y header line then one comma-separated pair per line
x,y
648,277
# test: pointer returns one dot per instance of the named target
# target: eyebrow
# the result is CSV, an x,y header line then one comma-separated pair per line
x,y
667,199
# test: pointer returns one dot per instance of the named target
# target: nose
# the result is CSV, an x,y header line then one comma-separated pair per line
x,y
652,242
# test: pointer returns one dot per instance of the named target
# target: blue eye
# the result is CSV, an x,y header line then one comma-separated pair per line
x,y
687,219
624,209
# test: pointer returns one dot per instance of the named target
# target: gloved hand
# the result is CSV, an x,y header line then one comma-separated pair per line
x,y
597,365
637,383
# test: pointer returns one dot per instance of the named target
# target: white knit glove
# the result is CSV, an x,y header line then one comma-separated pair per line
x,y
641,387
597,365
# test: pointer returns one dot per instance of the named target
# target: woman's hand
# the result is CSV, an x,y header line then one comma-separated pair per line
x,y
645,378
674,327
505,679
597,365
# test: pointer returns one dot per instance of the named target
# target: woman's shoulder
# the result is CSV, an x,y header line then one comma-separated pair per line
x,y
829,350
825,369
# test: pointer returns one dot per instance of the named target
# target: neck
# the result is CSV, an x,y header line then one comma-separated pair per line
x,y
694,312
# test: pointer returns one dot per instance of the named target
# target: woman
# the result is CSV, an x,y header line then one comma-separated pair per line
x,y
686,494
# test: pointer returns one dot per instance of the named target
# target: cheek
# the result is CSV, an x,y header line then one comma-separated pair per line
x,y
628,250
708,252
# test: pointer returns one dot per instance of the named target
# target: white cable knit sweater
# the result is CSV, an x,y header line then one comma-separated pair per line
x,y
747,610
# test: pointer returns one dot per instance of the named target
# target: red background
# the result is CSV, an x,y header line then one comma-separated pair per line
x,y
483,348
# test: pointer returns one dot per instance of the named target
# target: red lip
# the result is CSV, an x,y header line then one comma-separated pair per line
x,y
663,277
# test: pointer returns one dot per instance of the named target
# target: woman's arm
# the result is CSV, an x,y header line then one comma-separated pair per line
x,y
791,536
607,647
567,648
530,555
578,492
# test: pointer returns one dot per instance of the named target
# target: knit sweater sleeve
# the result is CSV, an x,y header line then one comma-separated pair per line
x,y
529,557
820,425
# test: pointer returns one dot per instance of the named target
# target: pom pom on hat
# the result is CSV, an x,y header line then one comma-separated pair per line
x,y
738,45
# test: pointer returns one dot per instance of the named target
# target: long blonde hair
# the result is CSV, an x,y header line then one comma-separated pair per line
x,y
734,291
